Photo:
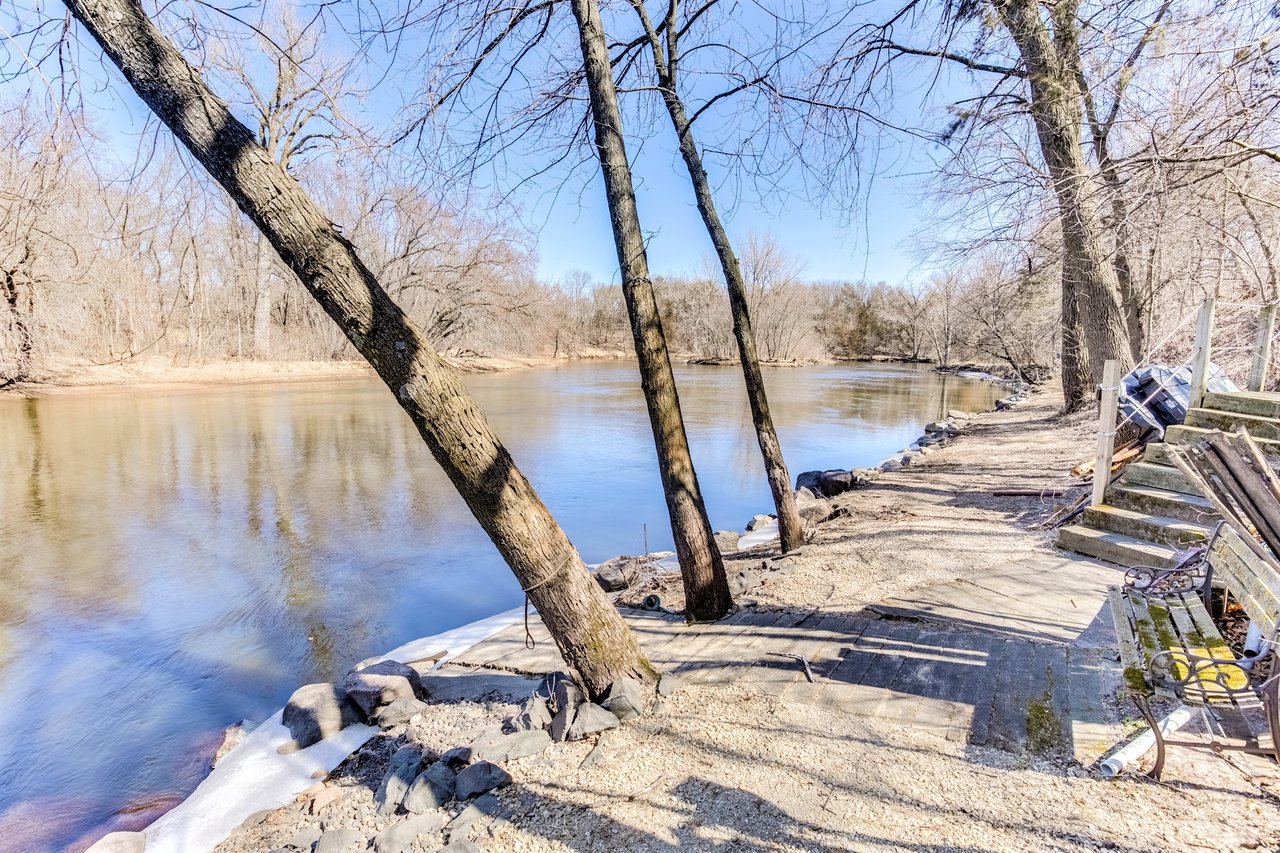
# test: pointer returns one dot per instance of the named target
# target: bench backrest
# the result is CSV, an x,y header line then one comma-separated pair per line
x,y
1252,581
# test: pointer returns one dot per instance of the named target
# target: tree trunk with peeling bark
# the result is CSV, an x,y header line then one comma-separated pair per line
x,y
706,586
588,630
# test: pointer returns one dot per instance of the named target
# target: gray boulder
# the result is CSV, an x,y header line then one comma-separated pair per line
x,y
618,574
433,788
591,719
399,711
833,483
403,768
625,699
381,684
339,840
814,511
480,778
523,744
560,724
400,836
727,541
317,711
459,756
669,683
758,521
566,693
513,746
809,480
534,714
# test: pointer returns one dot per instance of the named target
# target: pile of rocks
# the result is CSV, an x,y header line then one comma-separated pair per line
x,y
427,795
383,693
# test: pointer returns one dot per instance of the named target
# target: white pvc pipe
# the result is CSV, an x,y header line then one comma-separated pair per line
x,y
1119,760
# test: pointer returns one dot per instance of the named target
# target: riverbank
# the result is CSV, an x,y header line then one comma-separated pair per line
x,y
160,374
734,762
157,374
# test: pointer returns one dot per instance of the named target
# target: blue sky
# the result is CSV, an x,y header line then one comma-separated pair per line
x,y
875,247
873,242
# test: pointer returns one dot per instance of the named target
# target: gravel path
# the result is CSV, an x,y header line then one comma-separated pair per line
x,y
731,767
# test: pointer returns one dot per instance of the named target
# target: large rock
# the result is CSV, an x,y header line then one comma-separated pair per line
x,y
727,541
399,711
433,788
619,573
809,480
835,482
560,724
381,684
232,736
404,767
758,521
400,836
625,699
814,511
480,778
317,711
669,683
512,747
340,840
591,719
534,714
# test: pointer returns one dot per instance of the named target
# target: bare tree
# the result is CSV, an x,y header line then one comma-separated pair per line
x,y
587,629
706,585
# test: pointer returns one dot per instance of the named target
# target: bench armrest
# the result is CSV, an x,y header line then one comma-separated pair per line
x,y
1152,580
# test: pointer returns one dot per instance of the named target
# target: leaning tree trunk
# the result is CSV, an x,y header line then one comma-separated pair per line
x,y
587,629
790,525
706,587
1055,109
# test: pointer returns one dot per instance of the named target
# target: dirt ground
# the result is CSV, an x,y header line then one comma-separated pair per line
x,y
731,768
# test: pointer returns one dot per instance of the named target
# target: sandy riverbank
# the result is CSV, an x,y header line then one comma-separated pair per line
x,y
161,374
731,767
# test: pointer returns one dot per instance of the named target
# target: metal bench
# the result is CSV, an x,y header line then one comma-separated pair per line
x,y
1170,647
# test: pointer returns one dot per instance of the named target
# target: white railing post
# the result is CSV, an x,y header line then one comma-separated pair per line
x,y
1106,429
1200,360
1262,347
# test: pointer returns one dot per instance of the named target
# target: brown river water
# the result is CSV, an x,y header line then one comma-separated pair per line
x,y
174,561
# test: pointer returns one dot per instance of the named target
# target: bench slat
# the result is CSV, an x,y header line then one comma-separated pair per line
x,y
1252,582
1129,657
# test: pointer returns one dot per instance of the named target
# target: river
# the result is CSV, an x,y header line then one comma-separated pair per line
x,y
174,561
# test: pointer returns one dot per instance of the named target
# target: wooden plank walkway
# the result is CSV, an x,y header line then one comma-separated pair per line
x,y
1010,659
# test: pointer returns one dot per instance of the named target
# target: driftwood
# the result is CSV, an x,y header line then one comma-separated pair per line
x,y
1232,473
1047,492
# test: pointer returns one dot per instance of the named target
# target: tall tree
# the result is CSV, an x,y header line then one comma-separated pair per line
x,y
666,59
706,586
587,629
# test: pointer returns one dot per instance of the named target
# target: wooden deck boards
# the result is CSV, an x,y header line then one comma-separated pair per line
x,y
971,660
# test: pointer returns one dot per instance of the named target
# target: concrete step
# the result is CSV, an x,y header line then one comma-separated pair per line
x,y
1258,404
1154,501
1183,434
1116,547
1158,476
1258,427
1140,525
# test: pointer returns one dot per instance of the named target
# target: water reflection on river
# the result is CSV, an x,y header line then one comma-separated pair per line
x,y
173,561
